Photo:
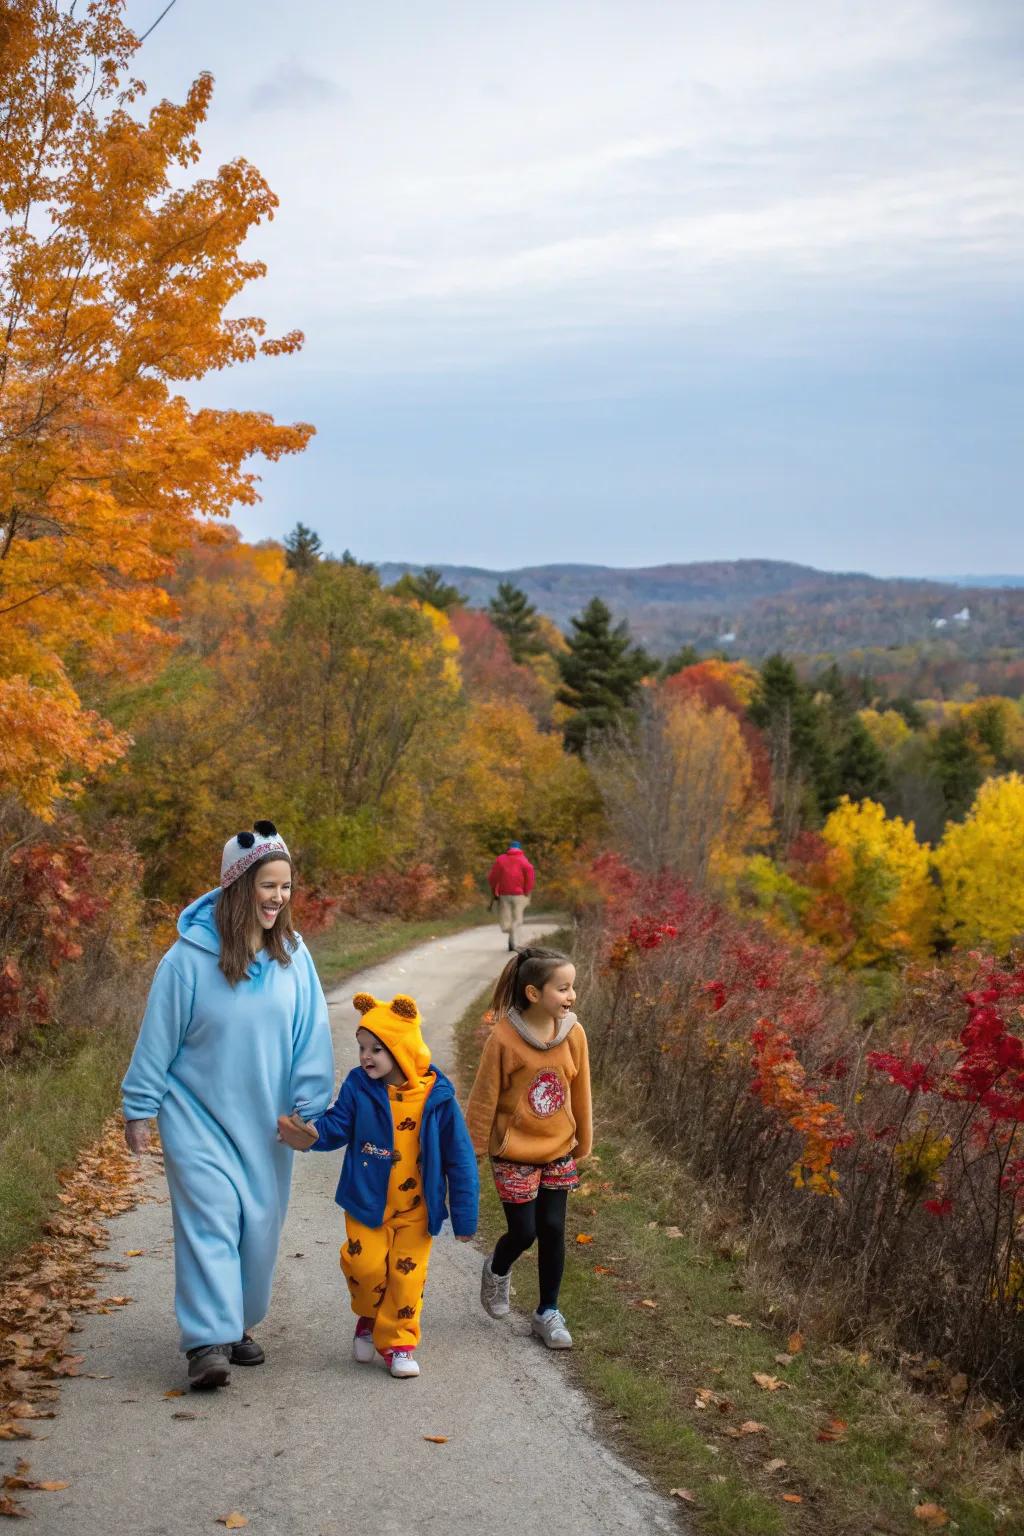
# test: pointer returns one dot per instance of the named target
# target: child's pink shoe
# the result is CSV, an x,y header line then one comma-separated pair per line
x,y
401,1363
362,1342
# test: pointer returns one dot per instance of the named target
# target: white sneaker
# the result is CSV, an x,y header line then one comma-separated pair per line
x,y
402,1363
362,1343
494,1291
550,1326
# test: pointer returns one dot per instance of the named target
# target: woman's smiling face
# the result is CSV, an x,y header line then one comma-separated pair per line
x,y
272,890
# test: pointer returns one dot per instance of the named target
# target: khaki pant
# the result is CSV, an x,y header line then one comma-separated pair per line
x,y
511,911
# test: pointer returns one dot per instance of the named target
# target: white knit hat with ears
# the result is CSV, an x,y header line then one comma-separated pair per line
x,y
245,849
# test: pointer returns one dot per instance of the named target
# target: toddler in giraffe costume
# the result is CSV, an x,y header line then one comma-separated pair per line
x,y
409,1158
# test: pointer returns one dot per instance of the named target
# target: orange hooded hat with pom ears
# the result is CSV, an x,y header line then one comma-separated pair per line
x,y
397,1026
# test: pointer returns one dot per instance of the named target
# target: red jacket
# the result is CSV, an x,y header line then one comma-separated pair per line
x,y
511,874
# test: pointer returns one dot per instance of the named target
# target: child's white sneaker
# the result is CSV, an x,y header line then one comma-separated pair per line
x,y
550,1326
401,1363
495,1291
362,1341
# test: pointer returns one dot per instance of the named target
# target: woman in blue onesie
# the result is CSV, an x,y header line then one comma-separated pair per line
x,y
235,1034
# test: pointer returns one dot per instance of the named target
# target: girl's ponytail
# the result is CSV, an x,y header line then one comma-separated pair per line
x,y
528,967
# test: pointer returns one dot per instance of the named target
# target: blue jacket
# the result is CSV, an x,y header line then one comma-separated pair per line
x,y
360,1118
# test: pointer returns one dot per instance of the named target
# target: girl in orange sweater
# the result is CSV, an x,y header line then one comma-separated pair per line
x,y
529,1111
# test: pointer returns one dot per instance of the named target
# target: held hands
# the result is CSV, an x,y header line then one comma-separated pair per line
x,y
295,1132
136,1136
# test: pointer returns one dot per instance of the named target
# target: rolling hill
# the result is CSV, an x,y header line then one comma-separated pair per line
x,y
754,607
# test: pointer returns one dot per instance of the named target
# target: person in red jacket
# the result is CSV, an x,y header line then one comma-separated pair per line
x,y
511,882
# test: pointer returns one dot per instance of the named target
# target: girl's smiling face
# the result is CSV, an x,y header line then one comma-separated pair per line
x,y
558,995
272,890
375,1060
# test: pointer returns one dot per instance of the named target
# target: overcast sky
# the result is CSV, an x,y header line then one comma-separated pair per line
x,y
633,281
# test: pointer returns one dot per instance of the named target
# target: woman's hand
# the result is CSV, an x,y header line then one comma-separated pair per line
x,y
136,1135
296,1133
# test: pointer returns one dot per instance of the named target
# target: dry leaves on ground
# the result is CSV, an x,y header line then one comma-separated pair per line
x,y
584,1237
768,1383
683,1493
931,1514
792,1498
437,1439
749,1427
834,1430
795,1343
58,1277
775,1465
234,1521
735,1321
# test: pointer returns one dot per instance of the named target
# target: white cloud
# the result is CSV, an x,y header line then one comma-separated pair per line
x,y
520,170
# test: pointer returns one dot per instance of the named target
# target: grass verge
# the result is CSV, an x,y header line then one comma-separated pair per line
x,y
670,1332
49,1111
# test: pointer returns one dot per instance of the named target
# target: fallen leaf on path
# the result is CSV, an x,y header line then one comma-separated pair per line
x,y
29,1411
437,1439
15,1432
768,1383
584,1237
795,1343
683,1493
234,1521
775,1465
175,1392
735,1321
134,1253
184,1413
834,1430
603,1269
750,1427
11,1509
931,1514
792,1498
16,1482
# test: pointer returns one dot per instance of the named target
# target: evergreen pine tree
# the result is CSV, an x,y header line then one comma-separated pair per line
x,y
512,612
303,548
600,674
687,656
429,586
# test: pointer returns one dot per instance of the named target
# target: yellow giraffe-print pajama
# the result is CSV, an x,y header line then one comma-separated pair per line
x,y
386,1266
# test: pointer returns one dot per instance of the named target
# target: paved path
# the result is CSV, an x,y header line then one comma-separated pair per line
x,y
313,1444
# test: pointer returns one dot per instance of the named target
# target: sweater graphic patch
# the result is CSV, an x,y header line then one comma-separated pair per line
x,y
373,1151
546,1094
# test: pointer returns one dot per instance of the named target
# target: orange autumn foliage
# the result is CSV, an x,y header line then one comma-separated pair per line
x,y
115,275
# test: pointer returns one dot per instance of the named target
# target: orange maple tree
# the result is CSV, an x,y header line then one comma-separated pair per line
x,y
116,274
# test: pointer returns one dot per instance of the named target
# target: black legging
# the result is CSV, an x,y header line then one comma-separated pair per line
x,y
542,1219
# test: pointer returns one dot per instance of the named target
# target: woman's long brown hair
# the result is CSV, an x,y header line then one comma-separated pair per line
x,y
239,927
529,967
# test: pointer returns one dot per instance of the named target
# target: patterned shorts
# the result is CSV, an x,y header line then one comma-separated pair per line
x,y
519,1182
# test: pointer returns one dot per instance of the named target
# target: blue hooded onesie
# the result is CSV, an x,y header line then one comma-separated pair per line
x,y
216,1065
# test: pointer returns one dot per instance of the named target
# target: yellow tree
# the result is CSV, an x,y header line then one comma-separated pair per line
x,y
882,873
981,865
679,789
115,275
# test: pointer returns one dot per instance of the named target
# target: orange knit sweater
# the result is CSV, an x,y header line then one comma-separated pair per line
x,y
531,1103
